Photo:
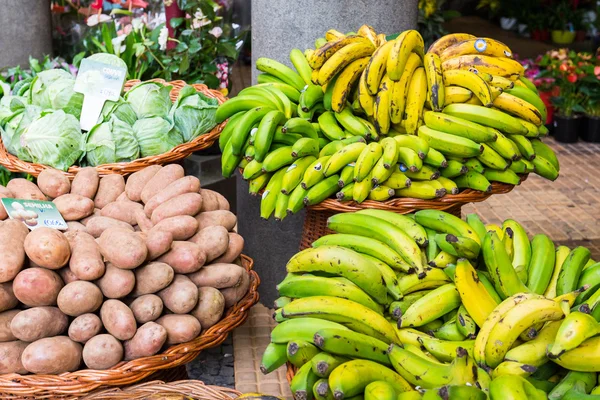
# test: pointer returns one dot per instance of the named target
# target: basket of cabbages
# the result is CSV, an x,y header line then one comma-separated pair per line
x,y
153,123
149,272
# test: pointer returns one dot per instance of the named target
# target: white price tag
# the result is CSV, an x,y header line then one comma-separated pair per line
x,y
97,82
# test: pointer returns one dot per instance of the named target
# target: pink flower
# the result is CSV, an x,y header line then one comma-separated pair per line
x,y
597,70
216,31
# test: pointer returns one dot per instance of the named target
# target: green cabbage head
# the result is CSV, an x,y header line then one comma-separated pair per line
x,y
150,99
110,142
156,135
193,113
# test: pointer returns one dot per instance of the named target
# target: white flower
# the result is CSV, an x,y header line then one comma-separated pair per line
x,y
216,31
137,24
163,37
235,26
223,85
117,43
199,14
199,23
95,19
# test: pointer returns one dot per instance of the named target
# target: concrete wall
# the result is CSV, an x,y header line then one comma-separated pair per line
x,y
25,29
277,27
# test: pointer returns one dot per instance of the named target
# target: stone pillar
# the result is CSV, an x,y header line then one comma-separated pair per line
x,y
25,30
277,27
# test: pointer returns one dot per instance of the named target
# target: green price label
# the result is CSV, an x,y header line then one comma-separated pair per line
x,y
35,213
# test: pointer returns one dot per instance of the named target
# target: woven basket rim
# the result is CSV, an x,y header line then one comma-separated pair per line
x,y
195,388
81,382
14,164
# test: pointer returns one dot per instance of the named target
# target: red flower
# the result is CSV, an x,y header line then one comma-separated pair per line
x,y
597,70
563,67
572,78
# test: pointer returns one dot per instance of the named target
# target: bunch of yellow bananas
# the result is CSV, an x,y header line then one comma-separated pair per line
x,y
362,118
430,306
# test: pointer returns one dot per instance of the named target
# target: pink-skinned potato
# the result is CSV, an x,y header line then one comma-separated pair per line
x,y
118,319
109,189
158,243
86,182
102,352
187,184
4,193
85,327
37,323
67,275
26,190
12,248
79,297
219,276
163,178
8,300
210,307
184,257
136,182
181,296
48,248
213,200
151,278
53,355
224,218
37,287
86,261
183,204
234,294
146,308
147,341
73,226
6,317
116,282
122,210
213,240
53,183
123,248
10,357
97,225
182,227
74,207
180,328
235,248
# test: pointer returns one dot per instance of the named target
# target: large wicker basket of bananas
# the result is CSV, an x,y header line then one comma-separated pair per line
x,y
365,122
435,307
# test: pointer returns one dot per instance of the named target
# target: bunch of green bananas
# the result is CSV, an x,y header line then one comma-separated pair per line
x,y
365,118
429,306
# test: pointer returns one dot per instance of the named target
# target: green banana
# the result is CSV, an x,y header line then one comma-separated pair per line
x,y
459,126
289,91
294,173
465,324
365,245
252,170
303,382
269,196
426,173
431,306
352,377
507,176
473,180
491,159
321,390
347,175
228,130
352,344
474,165
310,96
342,262
386,232
544,168
296,200
541,149
574,330
397,180
380,390
441,221
398,308
299,286
410,159
454,169
524,145
571,270
300,329
478,226
533,352
314,173
241,132
435,159
449,331
450,144
257,184
322,190
281,205
587,378
330,127
281,72
500,268
486,116
242,104
324,363
351,123
406,224
415,143
590,276
229,161
299,352
541,266
514,387
367,160
300,126
305,147
343,157
274,357
412,283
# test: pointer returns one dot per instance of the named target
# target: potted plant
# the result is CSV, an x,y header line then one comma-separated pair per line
x,y
508,20
562,23
566,69
590,89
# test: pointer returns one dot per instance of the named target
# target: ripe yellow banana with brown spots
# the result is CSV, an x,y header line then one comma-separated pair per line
x,y
342,58
472,81
501,66
376,67
323,53
400,89
382,106
477,46
435,81
519,108
408,42
446,41
345,81
415,100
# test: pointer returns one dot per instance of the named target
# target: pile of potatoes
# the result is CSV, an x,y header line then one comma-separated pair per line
x,y
145,263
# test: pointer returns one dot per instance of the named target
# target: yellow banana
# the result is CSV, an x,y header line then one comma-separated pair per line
x,y
408,42
446,41
368,32
415,100
500,66
376,67
381,113
533,352
342,58
456,94
323,53
518,107
501,82
471,81
433,305
435,81
513,368
366,101
400,90
333,34
344,82
575,328
585,357
474,295
515,321
562,252
477,46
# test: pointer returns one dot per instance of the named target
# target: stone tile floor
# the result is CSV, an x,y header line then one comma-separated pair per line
x,y
568,210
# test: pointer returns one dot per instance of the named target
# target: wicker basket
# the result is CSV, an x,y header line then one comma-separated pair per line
x,y
315,221
166,390
79,383
14,164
